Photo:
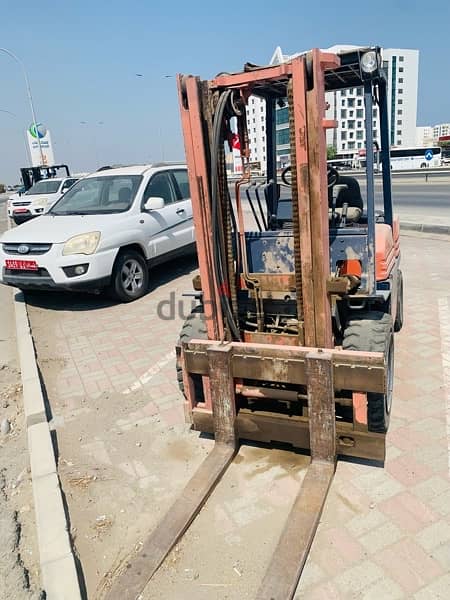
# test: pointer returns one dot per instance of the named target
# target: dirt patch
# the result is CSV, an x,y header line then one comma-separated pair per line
x,y
19,558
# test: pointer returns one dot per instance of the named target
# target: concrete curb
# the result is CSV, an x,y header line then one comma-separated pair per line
x,y
425,228
58,570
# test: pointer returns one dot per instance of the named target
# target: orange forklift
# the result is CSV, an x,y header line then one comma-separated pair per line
x,y
300,292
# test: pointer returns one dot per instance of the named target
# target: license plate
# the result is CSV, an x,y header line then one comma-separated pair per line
x,y
20,210
21,265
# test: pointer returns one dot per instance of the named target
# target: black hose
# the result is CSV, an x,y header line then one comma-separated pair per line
x,y
220,276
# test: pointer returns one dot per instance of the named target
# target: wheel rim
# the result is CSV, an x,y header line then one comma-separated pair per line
x,y
132,276
390,380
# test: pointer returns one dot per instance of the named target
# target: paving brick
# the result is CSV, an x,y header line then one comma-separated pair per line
x,y
408,512
409,565
380,537
438,590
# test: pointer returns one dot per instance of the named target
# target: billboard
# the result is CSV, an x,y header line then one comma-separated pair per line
x,y
40,144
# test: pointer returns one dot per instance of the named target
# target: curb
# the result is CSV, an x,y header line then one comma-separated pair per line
x,y
58,570
425,228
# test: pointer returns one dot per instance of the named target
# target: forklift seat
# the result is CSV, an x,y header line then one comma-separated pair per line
x,y
350,194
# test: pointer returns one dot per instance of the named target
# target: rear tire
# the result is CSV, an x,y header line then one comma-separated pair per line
x,y
193,328
373,332
129,280
398,323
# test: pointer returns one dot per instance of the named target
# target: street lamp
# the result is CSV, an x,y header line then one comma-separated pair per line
x,y
30,98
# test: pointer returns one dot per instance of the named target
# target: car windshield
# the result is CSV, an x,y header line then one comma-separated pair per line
x,y
99,195
45,186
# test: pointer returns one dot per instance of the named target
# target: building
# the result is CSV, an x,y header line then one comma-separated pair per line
x,y
424,136
256,122
429,136
347,106
441,130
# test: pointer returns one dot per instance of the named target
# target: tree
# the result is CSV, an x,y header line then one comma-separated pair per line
x,y
331,152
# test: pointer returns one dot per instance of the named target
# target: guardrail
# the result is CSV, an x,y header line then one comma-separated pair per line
x,y
425,173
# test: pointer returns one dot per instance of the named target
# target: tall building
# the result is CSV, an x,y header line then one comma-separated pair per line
x,y
256,122
424,136
347,106
441,130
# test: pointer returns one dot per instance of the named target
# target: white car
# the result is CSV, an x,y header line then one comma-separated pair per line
x,y
38,198
104,233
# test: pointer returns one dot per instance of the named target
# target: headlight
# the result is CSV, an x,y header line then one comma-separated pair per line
x,y
85,243
42,202
369,62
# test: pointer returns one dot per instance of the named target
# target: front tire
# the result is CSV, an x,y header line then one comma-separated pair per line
x,y
193,328
129,280
373,332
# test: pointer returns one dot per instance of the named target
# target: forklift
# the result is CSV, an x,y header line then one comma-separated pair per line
x,y
292,340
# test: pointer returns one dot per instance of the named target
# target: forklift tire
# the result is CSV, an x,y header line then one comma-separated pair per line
x,y
398,323
193,328
373,332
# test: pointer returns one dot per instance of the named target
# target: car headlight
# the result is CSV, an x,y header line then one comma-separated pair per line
x,y
369,62
85,243
42,203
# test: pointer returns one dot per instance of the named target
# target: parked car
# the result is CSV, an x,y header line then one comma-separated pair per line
x,y
39,198
104,233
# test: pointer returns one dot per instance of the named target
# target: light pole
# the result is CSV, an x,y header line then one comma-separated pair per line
x,y
160,127
30,98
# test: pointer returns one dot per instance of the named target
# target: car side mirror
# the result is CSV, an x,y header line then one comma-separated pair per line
x,y
154,203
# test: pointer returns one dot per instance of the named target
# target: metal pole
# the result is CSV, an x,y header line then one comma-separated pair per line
x,y
30,97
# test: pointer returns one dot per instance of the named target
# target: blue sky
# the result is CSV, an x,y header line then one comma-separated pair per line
x,y
82,58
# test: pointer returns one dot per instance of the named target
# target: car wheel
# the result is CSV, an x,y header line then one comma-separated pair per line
x,y
130,276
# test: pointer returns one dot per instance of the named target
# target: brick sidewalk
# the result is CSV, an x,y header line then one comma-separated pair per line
x,y
125,451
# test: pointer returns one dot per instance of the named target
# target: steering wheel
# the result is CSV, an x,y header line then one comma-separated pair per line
x,y
332,176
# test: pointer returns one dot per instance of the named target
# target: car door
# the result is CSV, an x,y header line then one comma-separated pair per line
x,y
162,226
184,211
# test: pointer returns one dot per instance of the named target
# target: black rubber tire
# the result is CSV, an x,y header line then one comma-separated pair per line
x,y
398,323
117,287
372,331
193,328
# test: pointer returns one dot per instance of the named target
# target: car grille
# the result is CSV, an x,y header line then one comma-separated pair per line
x,y
21,203
33,248
40,272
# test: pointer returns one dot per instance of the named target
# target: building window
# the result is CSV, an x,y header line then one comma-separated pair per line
x,y
400,90
343,113
400,101
374,112
282,116
359,102
254,121
400,79
399,122
262,127
351,124
375,134
343,124
343,102
399,142
359,124
351,145
351,135
253,101
400,69
283,136
359,113
343,146
343,135
254,140
263,138
359,135
350,113
399,132
399,112
253,110
351,102
374,123
359,145
359,91
401,59
343,92
262,119
262,108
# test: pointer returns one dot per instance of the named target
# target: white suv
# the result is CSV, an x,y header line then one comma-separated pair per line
x,y
38,198
104,233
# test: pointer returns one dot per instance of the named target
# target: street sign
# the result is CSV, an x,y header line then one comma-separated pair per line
x,y
429,154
